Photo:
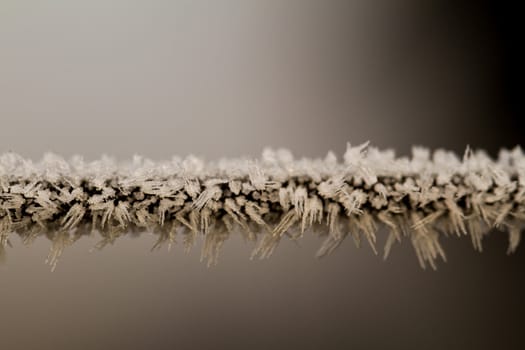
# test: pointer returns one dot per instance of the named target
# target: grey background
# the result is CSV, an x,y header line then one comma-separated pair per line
x,y
226,78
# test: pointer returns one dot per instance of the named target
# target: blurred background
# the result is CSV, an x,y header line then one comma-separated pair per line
x,y
227,78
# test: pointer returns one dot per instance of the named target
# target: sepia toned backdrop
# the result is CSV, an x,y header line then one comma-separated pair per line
x,y
227,78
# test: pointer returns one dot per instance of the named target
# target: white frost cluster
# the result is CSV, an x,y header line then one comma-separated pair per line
x,y
421,197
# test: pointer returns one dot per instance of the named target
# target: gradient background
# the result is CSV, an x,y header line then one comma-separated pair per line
x,y
226,78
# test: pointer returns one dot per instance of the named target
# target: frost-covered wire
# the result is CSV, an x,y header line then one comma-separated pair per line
x,y
421,198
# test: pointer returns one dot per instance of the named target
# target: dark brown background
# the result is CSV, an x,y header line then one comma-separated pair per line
x,y
226,79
